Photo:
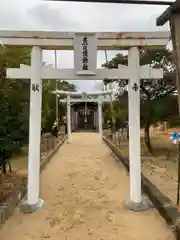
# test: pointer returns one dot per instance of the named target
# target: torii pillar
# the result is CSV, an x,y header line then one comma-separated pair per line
x,y
135,202
137,72
69,118
33,202
100,117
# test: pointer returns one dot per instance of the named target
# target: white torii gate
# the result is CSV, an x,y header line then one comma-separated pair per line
x,y
85,46
83,99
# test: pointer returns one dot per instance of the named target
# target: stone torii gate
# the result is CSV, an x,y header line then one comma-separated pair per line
x,y
83,97
85,46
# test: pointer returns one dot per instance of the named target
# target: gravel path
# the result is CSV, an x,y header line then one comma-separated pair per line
x,y
83,189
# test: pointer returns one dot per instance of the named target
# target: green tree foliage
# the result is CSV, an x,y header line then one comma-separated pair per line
x,y
49,103
14,104
119,113
156,95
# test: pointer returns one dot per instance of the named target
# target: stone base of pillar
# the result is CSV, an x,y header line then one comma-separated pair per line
x,y
30,208
144,205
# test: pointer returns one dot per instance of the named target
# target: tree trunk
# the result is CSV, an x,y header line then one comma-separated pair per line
x,y
147,136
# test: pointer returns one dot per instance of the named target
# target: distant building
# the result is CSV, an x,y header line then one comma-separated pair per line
x,y
84,117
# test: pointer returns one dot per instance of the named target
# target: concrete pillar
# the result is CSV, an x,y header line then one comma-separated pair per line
x,y
135,203
72,118
76,118
69,118
33,202
100,119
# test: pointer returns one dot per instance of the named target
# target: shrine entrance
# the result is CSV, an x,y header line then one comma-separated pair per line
x,y
84,110
85,122
86,117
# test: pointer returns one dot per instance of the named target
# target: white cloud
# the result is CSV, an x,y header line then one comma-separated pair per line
x,y
43,15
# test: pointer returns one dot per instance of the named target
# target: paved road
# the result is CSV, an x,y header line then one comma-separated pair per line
x,y
83,189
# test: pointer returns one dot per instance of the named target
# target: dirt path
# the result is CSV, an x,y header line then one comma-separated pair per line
x,y
83,190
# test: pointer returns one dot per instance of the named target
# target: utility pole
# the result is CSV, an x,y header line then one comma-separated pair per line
x,y
111,98
57,104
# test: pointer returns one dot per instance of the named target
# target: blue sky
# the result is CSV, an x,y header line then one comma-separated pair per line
x,y
65,16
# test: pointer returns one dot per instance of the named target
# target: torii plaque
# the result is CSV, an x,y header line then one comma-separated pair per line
x,y
85,53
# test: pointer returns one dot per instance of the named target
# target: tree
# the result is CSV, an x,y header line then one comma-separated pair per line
x,y
11,103
152,91
14,101
49,103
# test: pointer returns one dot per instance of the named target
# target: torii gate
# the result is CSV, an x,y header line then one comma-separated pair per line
x,y
85,46
83,97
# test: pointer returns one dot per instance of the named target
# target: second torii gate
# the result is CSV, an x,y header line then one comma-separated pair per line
x,y
85,46
83,98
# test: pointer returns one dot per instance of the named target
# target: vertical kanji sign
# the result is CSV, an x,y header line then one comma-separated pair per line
x,y
35,87
85,52
135,87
